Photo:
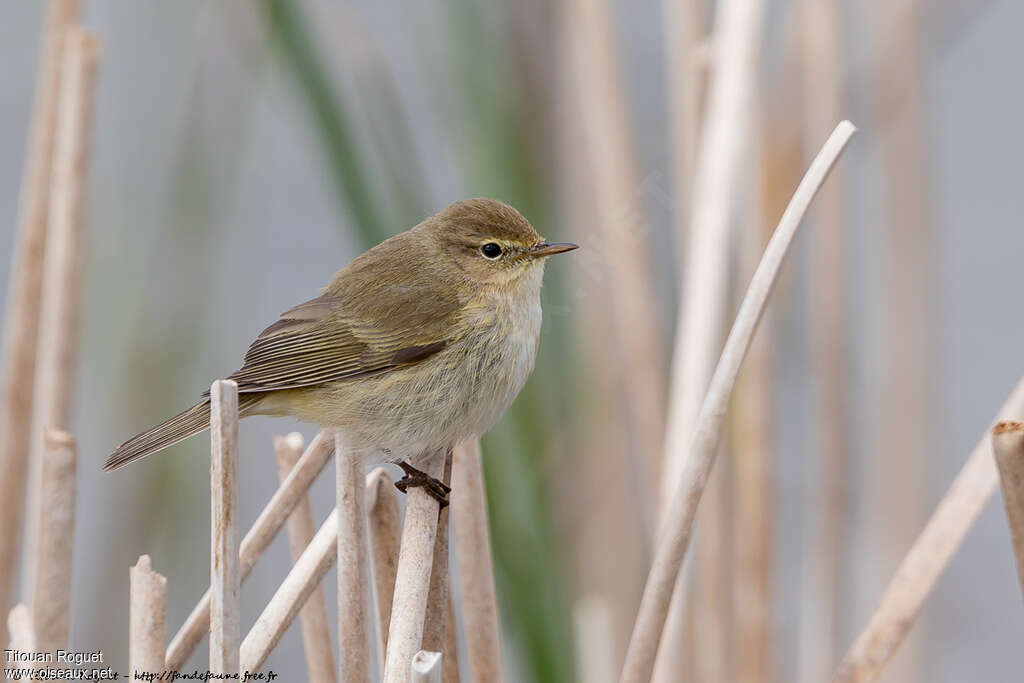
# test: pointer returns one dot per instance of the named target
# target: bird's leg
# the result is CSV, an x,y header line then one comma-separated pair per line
x,y
437,489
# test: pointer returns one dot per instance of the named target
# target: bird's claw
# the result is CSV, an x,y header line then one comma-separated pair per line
x,y
434,487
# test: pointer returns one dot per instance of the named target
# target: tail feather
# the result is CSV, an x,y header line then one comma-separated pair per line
x,y
169,432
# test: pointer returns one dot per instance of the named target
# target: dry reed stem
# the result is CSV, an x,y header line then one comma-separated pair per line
x,y
262,532
675,535
712,599
754,519
19,625
316,633
51,601
353,570
686,68
928,557
702,595
605,126
384,533
825,496
21,324
426,667
306,574
751,445
1008,444
703,304
475,566
56,355
147,635
904,327
412,584
602,437
225,580
435,626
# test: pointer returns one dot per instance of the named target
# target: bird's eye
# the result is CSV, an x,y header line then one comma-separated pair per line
x,y
491,250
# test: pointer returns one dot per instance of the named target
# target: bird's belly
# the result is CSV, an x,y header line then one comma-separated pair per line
x,y
461,391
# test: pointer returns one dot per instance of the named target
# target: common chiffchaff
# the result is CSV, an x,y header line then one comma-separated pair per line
x,y
418,343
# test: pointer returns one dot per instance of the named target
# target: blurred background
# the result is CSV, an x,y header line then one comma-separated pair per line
x,y
243,151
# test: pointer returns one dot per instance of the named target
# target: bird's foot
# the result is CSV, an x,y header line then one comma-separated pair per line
x,y
436,488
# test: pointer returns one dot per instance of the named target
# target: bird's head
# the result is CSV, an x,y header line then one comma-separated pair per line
x,y
490,242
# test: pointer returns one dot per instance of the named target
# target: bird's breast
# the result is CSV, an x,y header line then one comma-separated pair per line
x,y
502,341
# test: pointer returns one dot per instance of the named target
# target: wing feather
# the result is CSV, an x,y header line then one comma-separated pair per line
x,y
319,341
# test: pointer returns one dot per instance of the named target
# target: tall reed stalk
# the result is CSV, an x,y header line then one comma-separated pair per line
x,y
225,579
21,321
826,480
905,329
703,304
754,462
60,304
674,538
621,225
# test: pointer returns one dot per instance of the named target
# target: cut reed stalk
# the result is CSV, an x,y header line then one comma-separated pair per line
x,y
24,291
147,637
1008,443
412,584
316,633
384,533
353,570
51,600
928,557
475,567
675,535
306,574
262,532
426,667
57,353
436,623
225,580
19,625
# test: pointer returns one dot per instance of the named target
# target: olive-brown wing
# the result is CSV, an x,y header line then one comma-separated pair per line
x,y
319,342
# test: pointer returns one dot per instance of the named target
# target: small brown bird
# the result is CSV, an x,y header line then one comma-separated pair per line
x,y
418,343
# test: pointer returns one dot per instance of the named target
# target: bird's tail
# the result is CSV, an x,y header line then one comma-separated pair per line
x,y
169,432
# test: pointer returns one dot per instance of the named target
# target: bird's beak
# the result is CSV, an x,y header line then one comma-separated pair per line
x,y
551,248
